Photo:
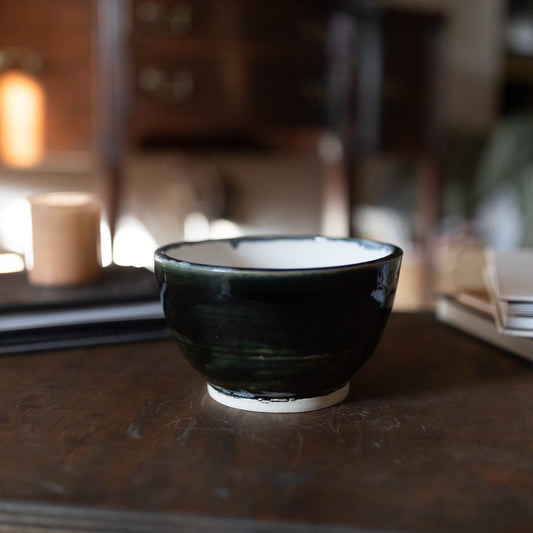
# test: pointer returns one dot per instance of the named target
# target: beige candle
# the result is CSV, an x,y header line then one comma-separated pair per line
x,y
21,119
66,238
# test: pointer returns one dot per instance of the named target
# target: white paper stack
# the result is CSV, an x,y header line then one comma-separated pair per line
x,y
509,280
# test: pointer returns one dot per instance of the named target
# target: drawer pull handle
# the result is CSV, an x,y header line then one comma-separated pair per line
x,y
175,87
175,19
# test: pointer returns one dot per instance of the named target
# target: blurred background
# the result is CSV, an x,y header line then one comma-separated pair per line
x,y
405,121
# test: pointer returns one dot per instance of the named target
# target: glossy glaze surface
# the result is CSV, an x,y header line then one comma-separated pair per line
x,y
277,333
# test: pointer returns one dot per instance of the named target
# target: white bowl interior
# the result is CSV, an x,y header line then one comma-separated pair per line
x,y
280,253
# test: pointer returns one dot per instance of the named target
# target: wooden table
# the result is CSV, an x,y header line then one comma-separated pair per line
x,y
436,435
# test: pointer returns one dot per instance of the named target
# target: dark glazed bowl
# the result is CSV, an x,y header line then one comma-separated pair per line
x,y
278,324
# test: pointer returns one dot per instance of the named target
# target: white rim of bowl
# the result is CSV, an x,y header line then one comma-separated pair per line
x,y
161,254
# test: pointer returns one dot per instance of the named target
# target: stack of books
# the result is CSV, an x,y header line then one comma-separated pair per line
x,y
502,312
124,305
509,281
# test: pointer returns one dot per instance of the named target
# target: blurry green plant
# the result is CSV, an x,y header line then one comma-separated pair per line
x,y
507,160
478,165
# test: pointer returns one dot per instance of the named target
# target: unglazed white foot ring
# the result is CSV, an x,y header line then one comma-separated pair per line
x,y
295,405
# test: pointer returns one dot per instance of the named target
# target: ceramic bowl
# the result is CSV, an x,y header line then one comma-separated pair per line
x,y
278,324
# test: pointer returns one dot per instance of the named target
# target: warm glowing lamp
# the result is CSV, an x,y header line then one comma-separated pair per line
x,y
21,119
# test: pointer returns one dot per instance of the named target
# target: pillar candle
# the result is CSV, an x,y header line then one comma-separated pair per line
x,y
21,119
65,238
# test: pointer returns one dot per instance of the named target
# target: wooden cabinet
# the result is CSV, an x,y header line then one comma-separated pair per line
x,y
148,72
232,69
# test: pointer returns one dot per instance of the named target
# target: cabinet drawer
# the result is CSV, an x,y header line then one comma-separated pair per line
x,y
176,96
276,21
184,93
197,83
238,65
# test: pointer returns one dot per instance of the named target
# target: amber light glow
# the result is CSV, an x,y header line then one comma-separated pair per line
x,y
21,119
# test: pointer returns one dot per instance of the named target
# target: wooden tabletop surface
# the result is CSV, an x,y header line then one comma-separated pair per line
x,y
436,435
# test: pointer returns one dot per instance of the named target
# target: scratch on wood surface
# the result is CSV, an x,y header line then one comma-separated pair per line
x,y
184,435
334,428
358,443
153,408
191,424
53,487
205,397
417,452
395,424
133,431
300,445
19,479
31,421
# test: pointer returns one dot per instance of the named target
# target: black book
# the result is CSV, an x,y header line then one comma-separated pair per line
x,y
123,305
